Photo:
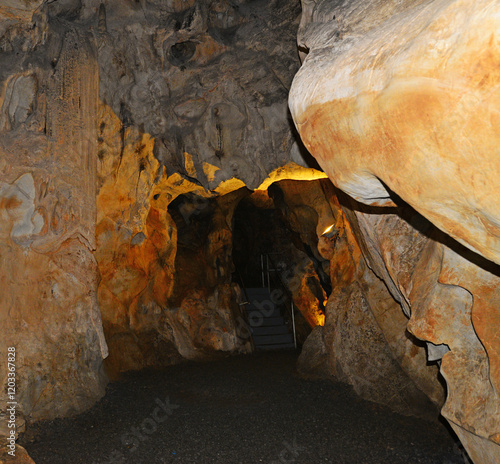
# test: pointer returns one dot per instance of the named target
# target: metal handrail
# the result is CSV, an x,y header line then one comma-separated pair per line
x,y
266,271
243,303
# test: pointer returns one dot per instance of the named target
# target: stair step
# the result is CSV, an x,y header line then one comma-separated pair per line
x,y
267,312
276,330
260,305
272,339
257,289
258,293
255,321
282,346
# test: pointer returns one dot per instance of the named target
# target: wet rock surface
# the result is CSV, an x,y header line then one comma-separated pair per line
x,y
238,410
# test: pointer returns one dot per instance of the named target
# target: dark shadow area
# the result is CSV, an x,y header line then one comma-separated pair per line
x,y
422,225
308,160
256,231
193,216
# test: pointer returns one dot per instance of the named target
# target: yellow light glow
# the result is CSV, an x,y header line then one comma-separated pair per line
x,y
210,170
328,229
229,185
291,171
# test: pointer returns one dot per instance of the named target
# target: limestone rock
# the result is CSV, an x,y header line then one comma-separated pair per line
x,y
402,97
211,81
313,359
412,86
170,112
365,329
48,303
450,293
163,292
193,106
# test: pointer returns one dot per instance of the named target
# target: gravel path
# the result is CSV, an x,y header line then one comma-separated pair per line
x,y
246,409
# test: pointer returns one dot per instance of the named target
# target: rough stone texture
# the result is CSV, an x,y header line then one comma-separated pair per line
x,y
208,85
182,108
451,295
409,84
283,223
459,308
307,212
403,97
211,80
193,106
364,341
192,98
48,274
155,312
21,456
392,243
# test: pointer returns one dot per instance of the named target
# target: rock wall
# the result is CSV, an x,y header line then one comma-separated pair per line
x,y
193,107
48,303
402,97
268,231
208,78
176,111
148,101
364,341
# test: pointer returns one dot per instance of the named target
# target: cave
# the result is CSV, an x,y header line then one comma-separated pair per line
x,y
248,231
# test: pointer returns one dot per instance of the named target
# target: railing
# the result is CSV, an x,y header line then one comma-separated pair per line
x,y
243,313
266,262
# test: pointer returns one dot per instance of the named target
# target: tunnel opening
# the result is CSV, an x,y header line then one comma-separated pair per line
x,y
244,247
273,265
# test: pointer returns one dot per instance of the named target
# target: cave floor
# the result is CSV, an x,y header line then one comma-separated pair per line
x,y
245,409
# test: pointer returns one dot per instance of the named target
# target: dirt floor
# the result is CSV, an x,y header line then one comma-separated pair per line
x,y
246,409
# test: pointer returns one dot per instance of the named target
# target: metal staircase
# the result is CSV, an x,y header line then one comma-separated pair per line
x,y
268,326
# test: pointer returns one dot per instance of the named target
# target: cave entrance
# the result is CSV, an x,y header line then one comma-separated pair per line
x,y
260,243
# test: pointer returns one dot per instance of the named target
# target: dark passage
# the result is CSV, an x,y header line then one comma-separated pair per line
x,y
250,409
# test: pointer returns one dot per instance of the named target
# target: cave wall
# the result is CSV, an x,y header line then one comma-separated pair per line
x,y
193,106
267,233
48,304
398,101
175,111
364,341
146,101
207,78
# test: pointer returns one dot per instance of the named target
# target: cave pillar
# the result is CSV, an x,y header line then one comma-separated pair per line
x,y
48,273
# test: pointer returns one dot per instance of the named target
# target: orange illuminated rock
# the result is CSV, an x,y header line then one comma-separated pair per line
x,y
158,306
364,341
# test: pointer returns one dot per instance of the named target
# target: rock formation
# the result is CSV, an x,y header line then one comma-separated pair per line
x,y
147,157
402,97
364,341
193,107
164,108
48,153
